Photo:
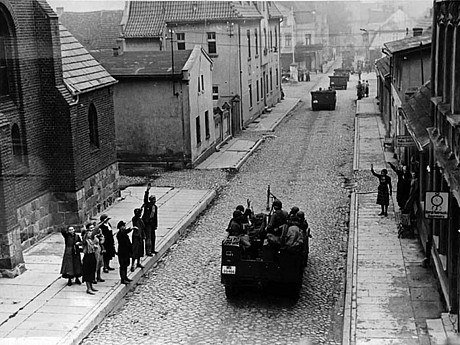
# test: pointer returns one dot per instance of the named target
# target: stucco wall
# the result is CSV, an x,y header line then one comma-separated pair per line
x,y
148,120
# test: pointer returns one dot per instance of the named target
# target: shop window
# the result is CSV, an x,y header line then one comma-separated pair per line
x,y
93,127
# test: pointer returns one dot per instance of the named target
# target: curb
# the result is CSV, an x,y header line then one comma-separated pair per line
x,y
247,155
281,118
113,297
350,282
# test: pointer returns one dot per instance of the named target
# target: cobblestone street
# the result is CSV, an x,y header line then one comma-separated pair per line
x,y
307,162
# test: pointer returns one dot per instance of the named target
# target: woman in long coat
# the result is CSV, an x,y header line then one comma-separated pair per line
x,y
384,190
71,261
138,238
89,258
109,242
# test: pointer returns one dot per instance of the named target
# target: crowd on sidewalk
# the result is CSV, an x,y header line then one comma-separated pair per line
x,y
96,242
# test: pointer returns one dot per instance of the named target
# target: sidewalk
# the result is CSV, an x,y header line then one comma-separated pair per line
x,y
38,307
390,298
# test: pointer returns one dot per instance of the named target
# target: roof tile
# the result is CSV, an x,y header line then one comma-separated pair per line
x,y
76,75
148,18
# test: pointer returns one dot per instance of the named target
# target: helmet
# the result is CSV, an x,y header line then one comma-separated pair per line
x,y
137,211
301,215
277,204
240,208
237,214
294,210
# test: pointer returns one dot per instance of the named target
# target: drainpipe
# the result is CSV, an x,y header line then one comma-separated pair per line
x,y
183,126
240,76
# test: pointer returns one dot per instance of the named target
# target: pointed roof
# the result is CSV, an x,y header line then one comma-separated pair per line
x,y
81,72
145,63
408,43
148,18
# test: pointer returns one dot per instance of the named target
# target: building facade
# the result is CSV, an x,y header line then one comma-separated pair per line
x,y
57,158
441,171
242,38
163,111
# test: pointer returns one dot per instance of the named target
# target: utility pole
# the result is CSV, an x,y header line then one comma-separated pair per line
x,y
172,62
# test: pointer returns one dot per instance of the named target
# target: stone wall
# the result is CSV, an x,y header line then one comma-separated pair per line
x,y
52,211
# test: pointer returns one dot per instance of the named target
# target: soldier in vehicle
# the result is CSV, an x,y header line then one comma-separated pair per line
x,y
278,218
235,228
303,224
293,213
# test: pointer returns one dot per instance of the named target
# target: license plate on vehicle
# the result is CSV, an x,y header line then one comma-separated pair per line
x,y
228,269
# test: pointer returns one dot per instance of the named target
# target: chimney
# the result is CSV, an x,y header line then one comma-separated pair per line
x,y
120,45
417,31
60,11
115,51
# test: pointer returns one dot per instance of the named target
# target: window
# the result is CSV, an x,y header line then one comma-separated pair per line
x,y
93,128
248,33
287,40
307,39
257,91
271,80
456,86
256,41
4,34
215,92
212,49
180,41
206,124
19,151
199,85
261,88
271,39
276,39
276,77
250,95
202,83
198,130
265,41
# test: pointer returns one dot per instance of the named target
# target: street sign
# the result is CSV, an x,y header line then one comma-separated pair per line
x,y
404,141
437,205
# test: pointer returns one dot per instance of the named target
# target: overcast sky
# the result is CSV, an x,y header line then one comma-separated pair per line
x,y
87,5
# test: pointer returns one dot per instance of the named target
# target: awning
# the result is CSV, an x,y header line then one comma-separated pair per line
x,y
417,116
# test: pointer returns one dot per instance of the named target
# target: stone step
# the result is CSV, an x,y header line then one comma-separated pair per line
x,y
436,331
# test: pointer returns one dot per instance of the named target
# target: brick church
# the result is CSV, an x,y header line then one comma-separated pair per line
x,y
57,133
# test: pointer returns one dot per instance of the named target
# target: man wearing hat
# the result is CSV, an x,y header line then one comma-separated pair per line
x,y
109,243
150,218
124,251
